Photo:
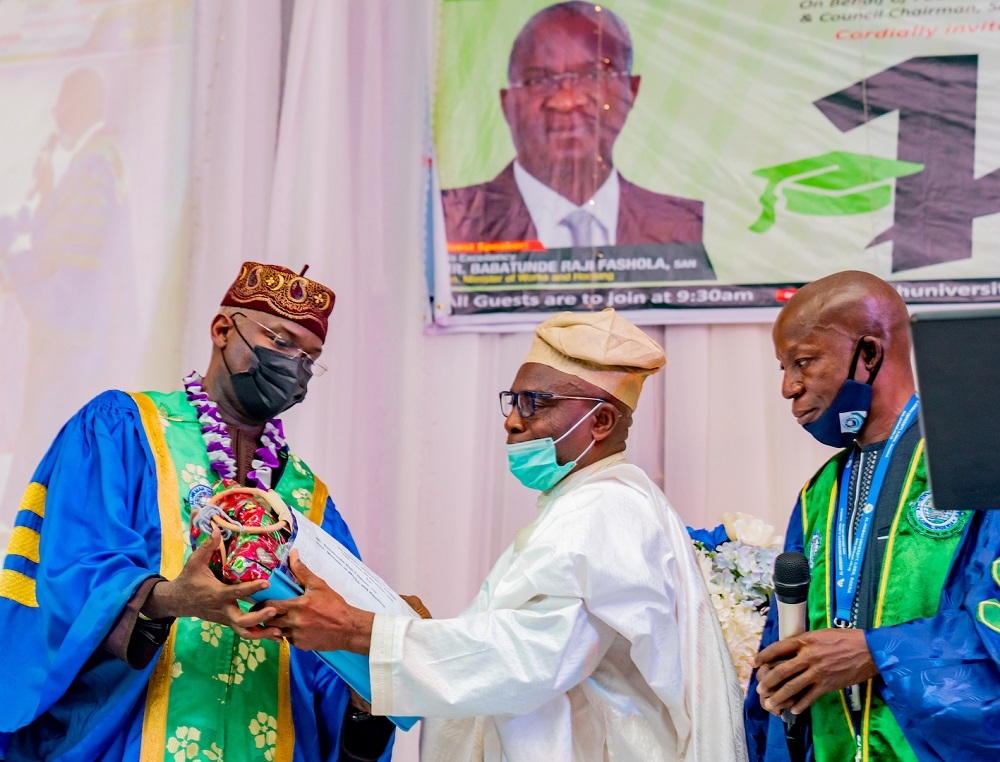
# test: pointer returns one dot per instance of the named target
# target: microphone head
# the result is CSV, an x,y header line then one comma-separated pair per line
x,y
791,577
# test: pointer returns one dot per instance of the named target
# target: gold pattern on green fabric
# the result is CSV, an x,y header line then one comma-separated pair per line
x,y
988,611
223,697
898,601
248,657
194,474
183,744
300,483
264,729
297,464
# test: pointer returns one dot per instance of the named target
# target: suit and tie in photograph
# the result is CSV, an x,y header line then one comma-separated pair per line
x,y
570,89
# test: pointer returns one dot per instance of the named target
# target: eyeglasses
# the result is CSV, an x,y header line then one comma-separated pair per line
x,y
588,82
288,347
525,401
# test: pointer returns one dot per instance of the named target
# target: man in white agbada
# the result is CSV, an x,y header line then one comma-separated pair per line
x,y
593,637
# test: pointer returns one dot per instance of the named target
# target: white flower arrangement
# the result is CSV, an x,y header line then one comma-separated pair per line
x,y
739,578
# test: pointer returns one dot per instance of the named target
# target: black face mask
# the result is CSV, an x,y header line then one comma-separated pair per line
x,y
273,383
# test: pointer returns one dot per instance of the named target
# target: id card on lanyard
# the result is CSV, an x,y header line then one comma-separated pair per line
x,y
850,559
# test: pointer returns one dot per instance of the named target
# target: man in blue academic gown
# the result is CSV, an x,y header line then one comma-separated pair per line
x,y
901,659
112,627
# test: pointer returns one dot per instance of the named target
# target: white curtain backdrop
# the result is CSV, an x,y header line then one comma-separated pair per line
x,y
406,428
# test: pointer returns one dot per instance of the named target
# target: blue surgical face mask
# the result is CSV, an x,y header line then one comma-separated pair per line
x,y
534,462
839,424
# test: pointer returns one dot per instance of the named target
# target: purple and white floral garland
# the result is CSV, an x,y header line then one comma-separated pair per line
x,y
219,445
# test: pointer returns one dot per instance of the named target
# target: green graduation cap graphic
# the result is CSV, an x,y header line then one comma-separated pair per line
x,y
831,184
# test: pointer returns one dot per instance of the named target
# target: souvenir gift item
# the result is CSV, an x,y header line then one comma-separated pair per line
x,y
257,531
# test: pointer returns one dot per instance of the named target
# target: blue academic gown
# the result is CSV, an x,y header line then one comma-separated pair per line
x,y
940,676
100,539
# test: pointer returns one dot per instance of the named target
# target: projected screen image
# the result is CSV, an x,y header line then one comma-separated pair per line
x,y
89,216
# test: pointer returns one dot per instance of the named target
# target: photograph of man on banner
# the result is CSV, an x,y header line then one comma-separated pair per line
x,y
561,200
570,90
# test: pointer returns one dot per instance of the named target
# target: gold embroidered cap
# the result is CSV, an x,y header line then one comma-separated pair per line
x,y
602,348
278,291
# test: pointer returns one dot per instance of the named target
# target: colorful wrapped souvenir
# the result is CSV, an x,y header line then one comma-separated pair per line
x,y
257,531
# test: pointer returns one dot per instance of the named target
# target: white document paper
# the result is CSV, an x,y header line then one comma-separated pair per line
x,y
341,570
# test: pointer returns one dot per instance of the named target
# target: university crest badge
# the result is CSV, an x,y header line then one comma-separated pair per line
x,y
199,495
930,522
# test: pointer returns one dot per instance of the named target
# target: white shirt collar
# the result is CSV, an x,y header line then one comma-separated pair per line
x,y
548,209
568,484
576,478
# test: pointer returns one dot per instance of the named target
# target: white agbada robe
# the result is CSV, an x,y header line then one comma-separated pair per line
x,y
593,638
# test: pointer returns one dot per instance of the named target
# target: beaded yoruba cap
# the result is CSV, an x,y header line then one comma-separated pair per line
x,y
278,291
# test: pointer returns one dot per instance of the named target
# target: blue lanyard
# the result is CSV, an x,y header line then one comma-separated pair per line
x,y
848,571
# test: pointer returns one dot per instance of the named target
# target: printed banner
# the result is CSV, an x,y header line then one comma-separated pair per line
x,y
664,156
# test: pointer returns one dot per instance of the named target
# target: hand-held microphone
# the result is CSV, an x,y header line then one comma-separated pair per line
x,y
791,586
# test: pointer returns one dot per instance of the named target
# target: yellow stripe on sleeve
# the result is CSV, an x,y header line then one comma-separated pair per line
x,y
14,585
24,542
34,499
18,588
